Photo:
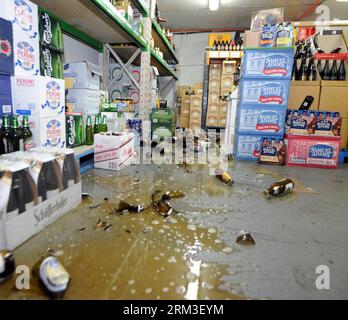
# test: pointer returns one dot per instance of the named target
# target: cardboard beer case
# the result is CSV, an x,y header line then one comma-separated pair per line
x,y
5,95
84,75
6,47
113,150
83,100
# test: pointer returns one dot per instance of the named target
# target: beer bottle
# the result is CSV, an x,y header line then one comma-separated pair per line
x,y
319,68
279,188
16,134
302,72
226,45
96,124
214,45
341,73
326,71
6,134
89,131
223,176
219,46
2,145
26,134
294,70
230,47
333,71
104,125
312,71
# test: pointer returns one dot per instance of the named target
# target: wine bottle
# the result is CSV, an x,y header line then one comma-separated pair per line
x,y
333,71
341,73
326,71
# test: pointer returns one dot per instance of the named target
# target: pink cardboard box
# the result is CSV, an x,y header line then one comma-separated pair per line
x,y
113,150
313,151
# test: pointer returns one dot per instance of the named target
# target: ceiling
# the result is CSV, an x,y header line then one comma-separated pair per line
x,y
194,14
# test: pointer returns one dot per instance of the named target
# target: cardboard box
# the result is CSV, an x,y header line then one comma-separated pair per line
x,y
218,37
183,91
113,152
225,92
227,82
344,133
185,110
223,108
198,88
228,67
330,41
6,56
214,83
196,103
268,64
215,70
48,131
264,92
213,96
251,39
195,123
312,151
85,75
222,122
213,109
298,92
38,96
186,99
184,122
255,120
83,100
334,97
212,121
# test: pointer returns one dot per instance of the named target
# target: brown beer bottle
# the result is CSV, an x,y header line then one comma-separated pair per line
x,y
279,188
224,176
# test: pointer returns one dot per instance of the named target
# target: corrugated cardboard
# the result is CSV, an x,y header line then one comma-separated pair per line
x,y
198,88
212,121
184,122
196,102
86,75
183,90
300,89
223,109
213,96
215,70
225,92
227,82
186,99
185,109
344,133
334,97
214,83
332,41
213,109
228,67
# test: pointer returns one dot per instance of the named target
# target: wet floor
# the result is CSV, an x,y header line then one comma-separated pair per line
x,y
193,254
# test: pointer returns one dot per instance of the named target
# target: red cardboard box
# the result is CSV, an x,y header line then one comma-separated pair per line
x,y
313,151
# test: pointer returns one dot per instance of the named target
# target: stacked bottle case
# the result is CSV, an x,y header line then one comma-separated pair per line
x,y
263,98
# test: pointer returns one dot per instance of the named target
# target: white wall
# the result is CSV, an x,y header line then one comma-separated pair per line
x,y
76,51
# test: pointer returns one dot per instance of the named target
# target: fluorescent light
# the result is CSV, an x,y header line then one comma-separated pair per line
x,y
214,5
342,0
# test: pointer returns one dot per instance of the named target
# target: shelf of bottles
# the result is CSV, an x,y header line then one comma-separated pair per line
x,y
308,62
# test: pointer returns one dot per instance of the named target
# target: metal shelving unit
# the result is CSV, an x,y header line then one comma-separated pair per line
x,y
163,67
162,42
142,7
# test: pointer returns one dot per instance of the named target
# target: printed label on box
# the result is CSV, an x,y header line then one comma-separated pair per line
x,y
268,64
53,94
263,92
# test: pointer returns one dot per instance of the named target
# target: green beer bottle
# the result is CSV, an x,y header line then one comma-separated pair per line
x,y
6,134
89,131
2,145
16,135
27,135
97,124
104,126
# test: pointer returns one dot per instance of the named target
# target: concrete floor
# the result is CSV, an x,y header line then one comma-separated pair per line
x,y
193,255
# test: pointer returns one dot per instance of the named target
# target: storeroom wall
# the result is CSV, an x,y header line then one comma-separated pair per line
x,y
76,51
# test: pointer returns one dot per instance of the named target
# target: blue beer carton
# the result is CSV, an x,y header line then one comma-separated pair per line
x,y
5,95
6,47
255,120
268,64
262,93
248,146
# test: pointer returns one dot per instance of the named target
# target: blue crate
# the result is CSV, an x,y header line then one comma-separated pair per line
x,y
260,93
6,53
268,64
248,145
266,120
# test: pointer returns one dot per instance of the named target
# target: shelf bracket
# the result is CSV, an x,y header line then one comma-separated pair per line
x,y
125,66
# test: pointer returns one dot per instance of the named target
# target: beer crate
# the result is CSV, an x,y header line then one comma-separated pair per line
x,y
268,64
6,50
5,95
255,120
313,151
262,93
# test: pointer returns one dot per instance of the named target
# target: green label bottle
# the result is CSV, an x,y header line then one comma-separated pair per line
x,y
89,131
97,124
104,125
27,135
16,135
6,134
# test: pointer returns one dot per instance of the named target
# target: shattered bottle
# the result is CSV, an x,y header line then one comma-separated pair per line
x,y
53,276
279,188
7,264
245,238
223,176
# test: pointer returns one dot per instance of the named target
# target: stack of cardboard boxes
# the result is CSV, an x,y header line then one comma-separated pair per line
x,y
220,84
40,98
189,100
328,95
